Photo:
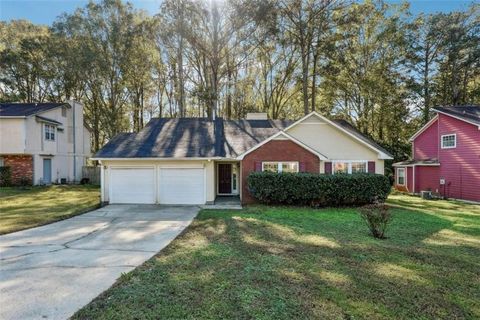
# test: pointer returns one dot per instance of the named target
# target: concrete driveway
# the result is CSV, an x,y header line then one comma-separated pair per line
x,y
51,271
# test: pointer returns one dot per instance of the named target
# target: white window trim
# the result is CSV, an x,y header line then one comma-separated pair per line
x,y
404,177
51,129
280,168
448,135
349,168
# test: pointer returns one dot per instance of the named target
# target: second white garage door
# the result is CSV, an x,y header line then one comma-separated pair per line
x,y
181,186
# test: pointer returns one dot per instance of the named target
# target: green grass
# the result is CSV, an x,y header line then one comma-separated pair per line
x,y
300,263
26,208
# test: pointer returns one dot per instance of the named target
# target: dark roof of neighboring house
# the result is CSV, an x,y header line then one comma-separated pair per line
x,y
200,138
469,113
425,162
26,109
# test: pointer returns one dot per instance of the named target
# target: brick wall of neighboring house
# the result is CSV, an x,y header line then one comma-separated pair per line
x,y
277,150
21,167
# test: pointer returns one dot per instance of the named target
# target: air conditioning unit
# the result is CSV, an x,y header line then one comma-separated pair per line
x,y
427,195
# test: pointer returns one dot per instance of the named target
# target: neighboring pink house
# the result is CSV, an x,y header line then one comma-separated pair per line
x,y
446,155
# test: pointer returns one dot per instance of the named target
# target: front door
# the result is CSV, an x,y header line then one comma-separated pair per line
x,y
47,171
224,178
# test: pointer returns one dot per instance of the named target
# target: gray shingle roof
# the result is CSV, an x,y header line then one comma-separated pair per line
x,y
242,135
470,113
26,109
200,138
191,137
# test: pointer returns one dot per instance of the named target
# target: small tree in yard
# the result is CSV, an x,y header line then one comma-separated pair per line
x,y
377,217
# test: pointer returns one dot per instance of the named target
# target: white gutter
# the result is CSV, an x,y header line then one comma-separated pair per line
x,y
162,159
74,145
12,117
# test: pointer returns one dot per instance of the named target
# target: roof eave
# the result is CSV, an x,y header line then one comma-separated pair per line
x,y
384,156
422,129
283,133
457,117
13,117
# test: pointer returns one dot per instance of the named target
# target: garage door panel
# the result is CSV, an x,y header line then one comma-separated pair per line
x,y
132,185
181,186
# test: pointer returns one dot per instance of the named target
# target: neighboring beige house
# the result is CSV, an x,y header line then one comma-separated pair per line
x,y
44,142
198,161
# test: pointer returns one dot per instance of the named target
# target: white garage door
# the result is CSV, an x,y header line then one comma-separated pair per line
x,y
181,186
132,185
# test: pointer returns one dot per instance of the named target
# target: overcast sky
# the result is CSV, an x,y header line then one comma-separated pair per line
x,y
45,11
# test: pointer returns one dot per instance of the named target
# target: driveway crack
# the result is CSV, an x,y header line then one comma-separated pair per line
x,y
66,244
63,245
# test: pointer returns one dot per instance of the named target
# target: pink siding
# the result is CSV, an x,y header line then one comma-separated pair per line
x,y
425,146
460,166
427,178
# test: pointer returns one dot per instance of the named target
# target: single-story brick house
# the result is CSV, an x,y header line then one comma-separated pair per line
x,y
445,155
195,160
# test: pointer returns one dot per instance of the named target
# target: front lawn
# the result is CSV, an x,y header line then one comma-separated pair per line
x,y
25,208
287,263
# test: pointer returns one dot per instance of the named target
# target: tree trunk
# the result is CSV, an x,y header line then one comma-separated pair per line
x,y
181,88
426,87
305,64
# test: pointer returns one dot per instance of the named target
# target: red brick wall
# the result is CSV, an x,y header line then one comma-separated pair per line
x,y
276,150
21,166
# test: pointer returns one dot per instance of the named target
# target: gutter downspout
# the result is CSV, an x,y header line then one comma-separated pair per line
x,y
74,146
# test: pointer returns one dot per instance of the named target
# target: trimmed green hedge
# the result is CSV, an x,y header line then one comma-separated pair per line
x,y
318,189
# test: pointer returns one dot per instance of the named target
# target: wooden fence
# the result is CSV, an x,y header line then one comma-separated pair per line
x,y
92,173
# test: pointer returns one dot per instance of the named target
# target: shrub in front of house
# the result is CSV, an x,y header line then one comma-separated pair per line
x,y
377,217
318,189
5,176
24,182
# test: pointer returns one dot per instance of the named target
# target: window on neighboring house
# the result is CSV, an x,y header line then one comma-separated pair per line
x,y
64,112
49,132
274,166
349,167
449,141
2,162
401,176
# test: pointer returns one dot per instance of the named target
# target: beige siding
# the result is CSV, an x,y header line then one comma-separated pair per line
x,y
208,165
12,136
333,142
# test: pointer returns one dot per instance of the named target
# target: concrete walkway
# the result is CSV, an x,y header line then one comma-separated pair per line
x,y
51,271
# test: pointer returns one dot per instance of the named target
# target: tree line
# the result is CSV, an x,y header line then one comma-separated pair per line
x,y
371,63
